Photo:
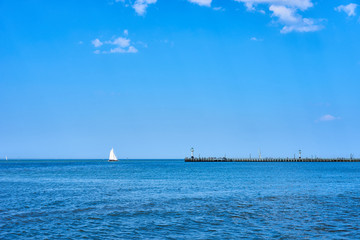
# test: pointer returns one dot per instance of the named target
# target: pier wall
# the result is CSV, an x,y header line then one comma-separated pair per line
x,y
272,160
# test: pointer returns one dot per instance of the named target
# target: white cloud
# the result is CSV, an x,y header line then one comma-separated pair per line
x,y
140,6
120,45
255,39
218,8
292,21
120,41
303,25
206,3
249,6
131,49
126,32
96,43
300,4
286,13
348,9
327,118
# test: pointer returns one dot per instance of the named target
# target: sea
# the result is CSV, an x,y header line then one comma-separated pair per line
x,y
171,199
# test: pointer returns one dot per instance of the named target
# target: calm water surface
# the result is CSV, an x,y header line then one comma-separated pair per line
x,y
158,199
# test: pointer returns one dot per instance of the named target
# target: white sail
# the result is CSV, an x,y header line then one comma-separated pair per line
x,y
112,156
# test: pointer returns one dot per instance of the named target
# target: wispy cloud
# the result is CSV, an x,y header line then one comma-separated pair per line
x,y
348,9
327,118
206,3
255,39
96,42
286,13
303,25
131,49
117,45
299,4
219,8
140,6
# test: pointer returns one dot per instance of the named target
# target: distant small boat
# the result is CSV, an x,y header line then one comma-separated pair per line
x,y
6,158
112,157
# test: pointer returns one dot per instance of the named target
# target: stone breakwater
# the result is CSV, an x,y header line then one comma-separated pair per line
x,y
212,159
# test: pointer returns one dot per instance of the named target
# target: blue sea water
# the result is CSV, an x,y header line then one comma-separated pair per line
x,y
171,199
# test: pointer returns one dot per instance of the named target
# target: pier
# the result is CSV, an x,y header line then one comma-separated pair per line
x,y
224,159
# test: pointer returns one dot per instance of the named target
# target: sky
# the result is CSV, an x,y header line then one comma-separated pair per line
x,y
153,78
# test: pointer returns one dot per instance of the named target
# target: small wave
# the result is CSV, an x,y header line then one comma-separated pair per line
x,y
82,209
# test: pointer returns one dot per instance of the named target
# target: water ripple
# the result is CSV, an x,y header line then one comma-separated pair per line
x,y
174,200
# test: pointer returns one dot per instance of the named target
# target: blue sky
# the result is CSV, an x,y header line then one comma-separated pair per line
x,y
154,78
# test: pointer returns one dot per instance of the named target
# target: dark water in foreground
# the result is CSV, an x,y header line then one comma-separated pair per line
x,y
177,200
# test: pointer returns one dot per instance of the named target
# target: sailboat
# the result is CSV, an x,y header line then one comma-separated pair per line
x,y
112,157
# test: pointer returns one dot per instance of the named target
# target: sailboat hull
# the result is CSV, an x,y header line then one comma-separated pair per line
x,y
110,160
